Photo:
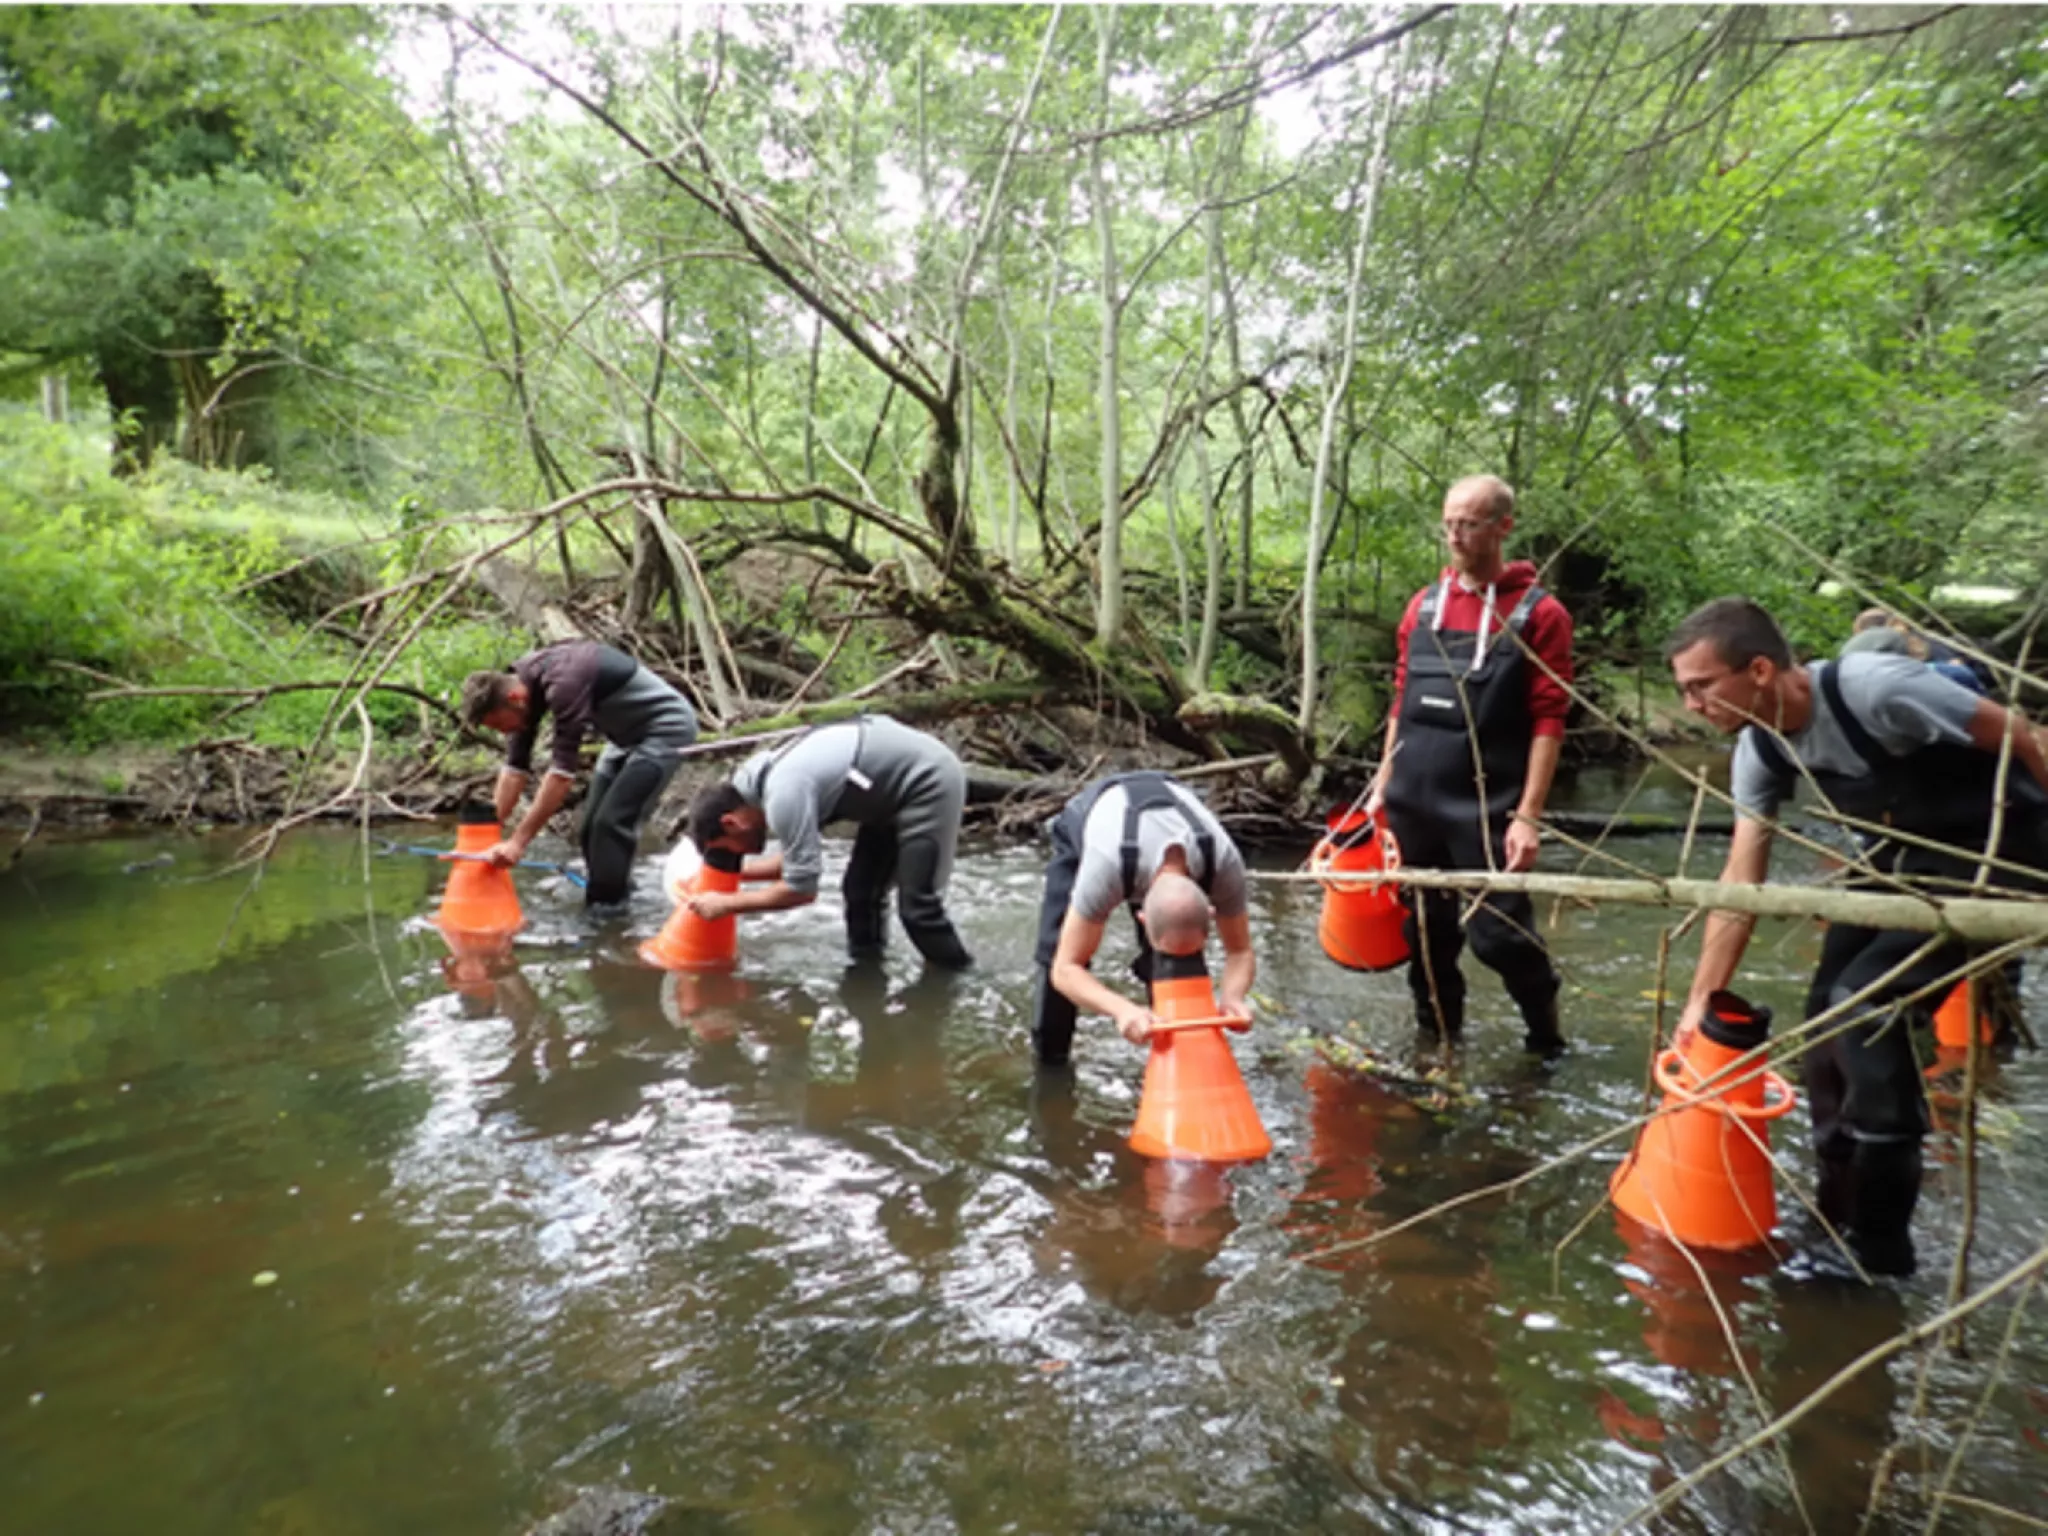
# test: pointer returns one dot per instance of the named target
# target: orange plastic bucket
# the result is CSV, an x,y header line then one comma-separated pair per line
x,y
1361,924
1952,1021
688,942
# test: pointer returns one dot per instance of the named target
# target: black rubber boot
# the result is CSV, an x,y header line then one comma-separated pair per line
x,y
1053,1017
940,945
1887,1176
1868,1198
1541,1035
1441,1022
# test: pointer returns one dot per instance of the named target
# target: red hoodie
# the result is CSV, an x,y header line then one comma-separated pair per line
x,y
1547,632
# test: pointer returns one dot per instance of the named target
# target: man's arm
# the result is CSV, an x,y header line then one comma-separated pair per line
x,y
1525,832
552,795
777,896
1071,978
762,866
511,785
1989,727
1727,935
1240,966
1377,796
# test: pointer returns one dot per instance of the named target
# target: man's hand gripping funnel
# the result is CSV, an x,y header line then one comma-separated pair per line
x,y
1361,924
688,942
1701,1170
480,902
1194,1103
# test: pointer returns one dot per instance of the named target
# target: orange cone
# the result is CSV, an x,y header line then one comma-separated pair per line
x,y
1952,1021
1701,1170
1194,1103
688,942
1361,924
480,900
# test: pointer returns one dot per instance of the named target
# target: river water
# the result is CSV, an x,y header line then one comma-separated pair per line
x,y
308,1230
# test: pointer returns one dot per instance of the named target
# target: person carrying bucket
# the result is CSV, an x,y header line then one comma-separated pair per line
x,y
586,687
904,789
1482,658
1893,744
1110,844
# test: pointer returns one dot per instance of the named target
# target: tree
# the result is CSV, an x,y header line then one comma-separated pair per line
x,y
155,162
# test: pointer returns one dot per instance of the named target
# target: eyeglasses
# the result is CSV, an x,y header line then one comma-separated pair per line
x,y
1456,528
1699,687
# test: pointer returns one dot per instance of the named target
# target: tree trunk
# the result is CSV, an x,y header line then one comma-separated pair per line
x,y
1109,610
142,397
1311,681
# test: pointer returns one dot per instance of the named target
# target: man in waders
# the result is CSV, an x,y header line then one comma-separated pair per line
x,y
586,687
1483,655
1110,844
904,789
1913,758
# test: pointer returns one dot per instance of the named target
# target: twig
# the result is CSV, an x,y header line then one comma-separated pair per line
x,y
831,655
196,691
2019,1274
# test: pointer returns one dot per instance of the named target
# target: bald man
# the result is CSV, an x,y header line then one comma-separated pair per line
x,y
1115,844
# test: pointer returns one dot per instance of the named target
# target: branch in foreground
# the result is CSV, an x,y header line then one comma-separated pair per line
x,y
1977,918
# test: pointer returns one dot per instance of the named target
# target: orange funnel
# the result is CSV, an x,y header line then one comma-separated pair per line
x,y
688,942
480,899
1701,1170
1361,924
1952,1021
1194,1103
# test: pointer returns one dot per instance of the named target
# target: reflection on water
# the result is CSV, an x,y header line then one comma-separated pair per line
x,y
813,1247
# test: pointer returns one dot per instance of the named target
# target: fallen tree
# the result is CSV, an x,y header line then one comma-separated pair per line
x,y
1980,919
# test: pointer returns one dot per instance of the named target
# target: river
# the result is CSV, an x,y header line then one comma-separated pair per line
x,y
308,1230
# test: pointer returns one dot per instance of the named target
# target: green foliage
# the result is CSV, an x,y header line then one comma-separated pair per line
x,y
1727,312
140,580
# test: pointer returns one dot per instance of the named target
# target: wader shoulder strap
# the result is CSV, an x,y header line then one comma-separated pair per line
x,y
1864,744
1773,755
1531,596
1517,616
1146,792
854,776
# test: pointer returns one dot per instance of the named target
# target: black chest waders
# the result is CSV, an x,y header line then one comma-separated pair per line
x,y
646,725
1053,1015
1461,756
909,820
1863,1085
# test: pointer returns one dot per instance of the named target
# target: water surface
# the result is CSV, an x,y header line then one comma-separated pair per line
x,y
811,1249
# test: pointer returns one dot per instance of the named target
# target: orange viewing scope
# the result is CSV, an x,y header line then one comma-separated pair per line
x,y
1194,1103
1701,1169
688,942
480,899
